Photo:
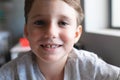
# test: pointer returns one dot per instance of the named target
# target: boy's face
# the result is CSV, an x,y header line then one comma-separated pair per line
x,y
52,29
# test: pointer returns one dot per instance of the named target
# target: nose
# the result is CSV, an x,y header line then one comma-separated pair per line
x,y
51,31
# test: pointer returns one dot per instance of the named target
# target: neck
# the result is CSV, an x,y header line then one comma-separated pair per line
x,y
52,71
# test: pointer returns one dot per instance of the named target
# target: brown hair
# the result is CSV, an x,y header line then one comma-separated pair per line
x,y
74,3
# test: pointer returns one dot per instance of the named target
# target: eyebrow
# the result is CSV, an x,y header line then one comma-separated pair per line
x,y
60,16
66,17
32,17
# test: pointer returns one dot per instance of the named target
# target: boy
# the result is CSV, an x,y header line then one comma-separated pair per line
x,y
52,28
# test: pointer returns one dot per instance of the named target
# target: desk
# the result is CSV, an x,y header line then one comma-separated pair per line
x,y
17,49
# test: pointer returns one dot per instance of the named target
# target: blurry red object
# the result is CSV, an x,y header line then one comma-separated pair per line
x,y
24,42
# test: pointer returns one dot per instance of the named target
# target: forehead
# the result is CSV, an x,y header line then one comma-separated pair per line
x,y
48,7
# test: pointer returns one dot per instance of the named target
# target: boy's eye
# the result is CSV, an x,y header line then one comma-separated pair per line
x,y
63,23
39,22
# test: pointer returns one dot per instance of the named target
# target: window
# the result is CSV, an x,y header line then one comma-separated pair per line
x,y
97,17
115,13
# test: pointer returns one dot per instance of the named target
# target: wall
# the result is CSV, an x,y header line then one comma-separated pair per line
x,y
15,20
107,47
97,18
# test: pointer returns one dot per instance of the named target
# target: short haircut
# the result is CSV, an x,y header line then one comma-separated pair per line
x,y
76,4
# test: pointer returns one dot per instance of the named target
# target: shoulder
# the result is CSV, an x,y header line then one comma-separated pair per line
x,y
83,55
11,67
89,62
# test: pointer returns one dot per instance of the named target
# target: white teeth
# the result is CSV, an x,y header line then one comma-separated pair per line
x,y
50,46
54,46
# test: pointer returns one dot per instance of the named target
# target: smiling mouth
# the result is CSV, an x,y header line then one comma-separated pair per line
x,y
52,46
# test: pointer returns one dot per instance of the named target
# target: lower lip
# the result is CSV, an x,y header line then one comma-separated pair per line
x,y
50,49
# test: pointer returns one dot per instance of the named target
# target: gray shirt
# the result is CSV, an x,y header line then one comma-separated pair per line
x,y
81,65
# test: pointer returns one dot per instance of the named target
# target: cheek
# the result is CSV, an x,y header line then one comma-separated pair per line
x,y
68,37
34,34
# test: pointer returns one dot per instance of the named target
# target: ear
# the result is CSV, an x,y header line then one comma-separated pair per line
x,y
78,33
25,31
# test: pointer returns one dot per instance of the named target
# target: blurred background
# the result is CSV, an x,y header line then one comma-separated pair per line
x,y
101,32
11,26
